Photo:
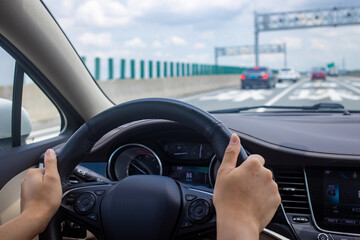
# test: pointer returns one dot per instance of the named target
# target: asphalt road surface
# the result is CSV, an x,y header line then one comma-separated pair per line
x,y
343,90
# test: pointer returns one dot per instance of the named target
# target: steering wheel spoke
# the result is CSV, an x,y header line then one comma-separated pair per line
x,y
82,203
198,212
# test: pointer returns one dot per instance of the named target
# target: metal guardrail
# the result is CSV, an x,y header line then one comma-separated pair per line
x,y
162,69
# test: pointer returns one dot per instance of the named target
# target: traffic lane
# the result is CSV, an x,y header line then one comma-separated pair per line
x,y
237,97
332,90
343,90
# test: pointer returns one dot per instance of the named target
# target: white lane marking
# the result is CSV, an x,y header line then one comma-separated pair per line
x,y
317,94
283,93
283,85
356,84
348,86
197,96
319,84
239,96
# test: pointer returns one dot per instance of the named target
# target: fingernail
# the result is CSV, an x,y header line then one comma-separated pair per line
x,y
233,138
50,153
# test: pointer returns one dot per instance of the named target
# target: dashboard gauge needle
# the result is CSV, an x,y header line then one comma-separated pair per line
x,y
139,169
200,150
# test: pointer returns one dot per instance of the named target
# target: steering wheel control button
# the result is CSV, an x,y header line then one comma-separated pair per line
x,y
70,199
323,236
190,197
300,219
186,223
93,217
99,192
341,237
199,210
85,202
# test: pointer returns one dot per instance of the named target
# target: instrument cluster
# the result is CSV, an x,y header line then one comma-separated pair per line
x,y
188,162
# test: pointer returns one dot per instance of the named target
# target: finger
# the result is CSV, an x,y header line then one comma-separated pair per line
x,y
257,158
231,154
50,162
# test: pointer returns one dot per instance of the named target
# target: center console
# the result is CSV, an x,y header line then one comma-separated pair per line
x,y
334,195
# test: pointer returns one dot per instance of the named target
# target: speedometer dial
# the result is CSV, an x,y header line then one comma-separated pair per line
x,y
133,159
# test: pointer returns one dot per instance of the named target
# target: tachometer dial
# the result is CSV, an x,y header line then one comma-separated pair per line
x,y
201,151
133,159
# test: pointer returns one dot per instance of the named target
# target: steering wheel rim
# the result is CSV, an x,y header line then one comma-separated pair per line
x,y
81,142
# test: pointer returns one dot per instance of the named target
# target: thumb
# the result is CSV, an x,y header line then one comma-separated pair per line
x,y
50,162
231,154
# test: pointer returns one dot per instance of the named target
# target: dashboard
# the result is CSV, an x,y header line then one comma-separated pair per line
x,y
315,160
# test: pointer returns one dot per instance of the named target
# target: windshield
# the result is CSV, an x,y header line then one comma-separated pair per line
x,y
198,51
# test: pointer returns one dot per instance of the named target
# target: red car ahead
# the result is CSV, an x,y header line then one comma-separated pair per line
x,y
318,73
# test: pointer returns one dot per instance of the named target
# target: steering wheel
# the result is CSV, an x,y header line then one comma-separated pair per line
x,y
138,207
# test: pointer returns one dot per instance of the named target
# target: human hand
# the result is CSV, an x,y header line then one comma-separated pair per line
x,y
245,197
41,191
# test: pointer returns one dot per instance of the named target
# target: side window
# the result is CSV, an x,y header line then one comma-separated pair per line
x,y
27,115
44,116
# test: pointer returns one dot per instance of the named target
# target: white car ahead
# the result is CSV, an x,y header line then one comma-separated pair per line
x,y
288,74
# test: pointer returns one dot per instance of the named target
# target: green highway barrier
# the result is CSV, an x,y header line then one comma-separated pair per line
x,y
170,69
158,69
97,68
111,68
142,69
122,69
132,71
165,69
150,69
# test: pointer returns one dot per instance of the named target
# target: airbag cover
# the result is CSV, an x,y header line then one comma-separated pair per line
x,y
141,207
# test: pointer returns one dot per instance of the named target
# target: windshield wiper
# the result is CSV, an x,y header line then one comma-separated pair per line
x,y
320,107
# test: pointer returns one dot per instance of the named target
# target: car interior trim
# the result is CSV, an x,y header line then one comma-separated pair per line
x,y
274,234
287,220
201,191
16,105
211,170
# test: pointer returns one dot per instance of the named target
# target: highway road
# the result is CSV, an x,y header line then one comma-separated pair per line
x,y
343,90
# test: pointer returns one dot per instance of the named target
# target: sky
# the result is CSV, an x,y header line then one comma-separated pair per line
x,y
189,30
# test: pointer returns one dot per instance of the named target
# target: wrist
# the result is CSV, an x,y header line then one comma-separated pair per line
x,y
36,219
237,228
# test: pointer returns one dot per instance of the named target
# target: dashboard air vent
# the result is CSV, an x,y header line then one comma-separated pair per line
x,y
291,183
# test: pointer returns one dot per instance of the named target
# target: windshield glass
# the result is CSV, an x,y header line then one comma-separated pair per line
x,y
198,51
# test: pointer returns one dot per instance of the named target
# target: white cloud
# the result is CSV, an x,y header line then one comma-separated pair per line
x,y
157,44
185,5
178,41
100,39
319,44
199,45
197,58
135,42
105,13
207,35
